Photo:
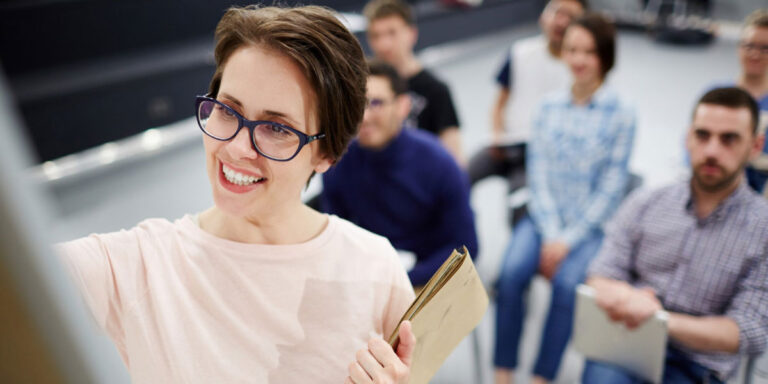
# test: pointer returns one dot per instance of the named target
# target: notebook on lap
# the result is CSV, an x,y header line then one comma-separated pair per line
x,y
641,351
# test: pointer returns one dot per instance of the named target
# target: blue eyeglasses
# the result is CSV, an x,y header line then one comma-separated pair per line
x,y
272,140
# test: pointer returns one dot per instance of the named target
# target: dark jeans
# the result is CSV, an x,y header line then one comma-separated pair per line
x,y
677,370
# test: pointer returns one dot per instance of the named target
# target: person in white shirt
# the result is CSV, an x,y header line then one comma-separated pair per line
x,y
531,70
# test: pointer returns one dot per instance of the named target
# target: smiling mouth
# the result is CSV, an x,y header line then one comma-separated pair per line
x,y
238,178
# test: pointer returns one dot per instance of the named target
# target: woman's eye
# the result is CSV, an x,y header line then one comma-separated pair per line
x,y
225,112
279,131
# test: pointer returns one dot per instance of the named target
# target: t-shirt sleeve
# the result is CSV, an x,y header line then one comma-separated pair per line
x,y
99,266
446,115
504,75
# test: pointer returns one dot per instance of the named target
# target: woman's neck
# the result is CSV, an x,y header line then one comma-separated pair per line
x,y
292,226
756,85
582,92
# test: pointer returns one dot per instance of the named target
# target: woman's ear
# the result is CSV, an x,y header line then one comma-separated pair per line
x,y
323,164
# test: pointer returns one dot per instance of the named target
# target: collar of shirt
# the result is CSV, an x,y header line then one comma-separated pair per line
x,y
602,97
720,212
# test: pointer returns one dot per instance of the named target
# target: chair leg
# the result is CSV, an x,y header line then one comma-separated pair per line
x,y
749,371
478,360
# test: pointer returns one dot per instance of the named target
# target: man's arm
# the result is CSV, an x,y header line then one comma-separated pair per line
x,y
633,307
499,108
451,139
455,225
709,333
498,111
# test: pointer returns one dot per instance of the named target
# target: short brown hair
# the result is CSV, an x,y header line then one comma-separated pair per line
x,y
380,68
732,97
758,18
328,54
604,33
379,9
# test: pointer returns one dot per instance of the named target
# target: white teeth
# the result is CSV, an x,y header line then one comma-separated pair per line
x,y
235,177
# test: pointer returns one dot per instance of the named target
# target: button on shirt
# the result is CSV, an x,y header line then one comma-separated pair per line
x,y
715,266
577,163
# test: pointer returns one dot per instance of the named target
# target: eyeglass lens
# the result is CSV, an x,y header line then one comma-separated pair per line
x,y
271,139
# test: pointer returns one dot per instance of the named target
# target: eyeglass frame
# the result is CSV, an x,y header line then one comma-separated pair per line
x,y
304,139
761,49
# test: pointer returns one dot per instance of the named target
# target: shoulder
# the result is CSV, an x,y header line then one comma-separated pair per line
x,y
357,243
147,229
664,197
347,161
426,80
528,45
757,206
427,146
610,101
555,99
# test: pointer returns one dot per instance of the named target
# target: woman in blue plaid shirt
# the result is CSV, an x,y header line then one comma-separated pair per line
x,y
577,174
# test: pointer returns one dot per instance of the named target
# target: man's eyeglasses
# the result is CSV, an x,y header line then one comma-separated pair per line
x,y
272,140
376,103
759,48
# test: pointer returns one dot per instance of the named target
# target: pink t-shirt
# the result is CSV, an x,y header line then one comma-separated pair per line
x,y
184,306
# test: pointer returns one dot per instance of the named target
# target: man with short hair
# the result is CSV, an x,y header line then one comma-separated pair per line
x,y
531,70
753,55
697,249
392,35
400,182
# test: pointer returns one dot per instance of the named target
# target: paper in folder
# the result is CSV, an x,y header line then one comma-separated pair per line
x,y
449,307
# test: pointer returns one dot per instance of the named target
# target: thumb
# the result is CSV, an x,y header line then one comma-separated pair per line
x,y
407,343
649,291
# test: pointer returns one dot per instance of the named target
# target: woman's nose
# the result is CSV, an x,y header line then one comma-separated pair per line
x,y
241,146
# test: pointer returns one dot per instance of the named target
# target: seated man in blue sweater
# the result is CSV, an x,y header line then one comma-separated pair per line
x,y
400,182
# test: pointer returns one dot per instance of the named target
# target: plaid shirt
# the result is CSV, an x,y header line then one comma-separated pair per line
x,y
716,266
577,163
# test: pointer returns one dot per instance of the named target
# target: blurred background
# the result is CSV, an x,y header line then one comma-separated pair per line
x,y
105,93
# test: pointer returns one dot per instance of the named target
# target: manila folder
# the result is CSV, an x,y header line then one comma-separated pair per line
x,y
449,307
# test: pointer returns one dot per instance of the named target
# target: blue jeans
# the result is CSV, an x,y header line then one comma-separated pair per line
x,y
677,370
520,266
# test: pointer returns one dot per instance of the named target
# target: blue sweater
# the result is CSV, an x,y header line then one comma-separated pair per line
x,y
411,192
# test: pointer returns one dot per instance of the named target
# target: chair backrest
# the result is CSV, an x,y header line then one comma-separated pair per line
x,y
757,370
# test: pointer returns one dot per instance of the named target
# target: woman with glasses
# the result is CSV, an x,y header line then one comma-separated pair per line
x,y
259,288
577,166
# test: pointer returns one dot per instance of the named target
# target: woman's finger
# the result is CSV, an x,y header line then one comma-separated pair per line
x,y
358,375
407,343
369,363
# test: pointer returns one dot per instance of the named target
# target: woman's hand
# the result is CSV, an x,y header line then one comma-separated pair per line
x,y
552,254
380,364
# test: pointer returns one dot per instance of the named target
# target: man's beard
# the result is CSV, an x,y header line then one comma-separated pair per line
x,y
718,184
